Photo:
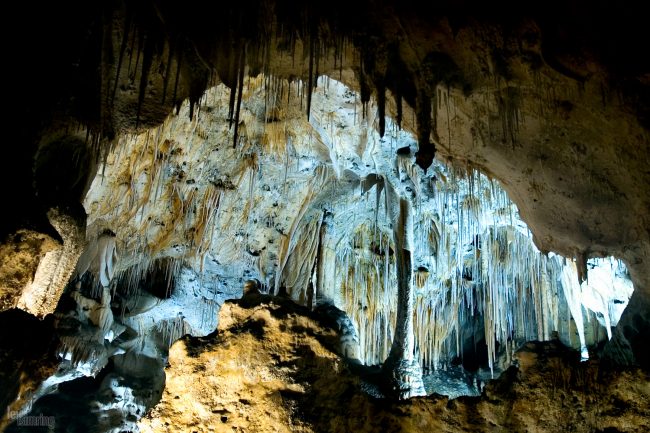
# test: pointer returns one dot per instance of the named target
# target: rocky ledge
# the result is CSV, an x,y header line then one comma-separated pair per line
x,y
272,366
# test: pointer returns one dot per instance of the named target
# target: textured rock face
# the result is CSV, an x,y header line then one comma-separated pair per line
x,y
56,267
258,401
270,368
20,256
36,268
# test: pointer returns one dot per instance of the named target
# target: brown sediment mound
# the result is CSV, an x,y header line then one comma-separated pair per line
x,y
268,368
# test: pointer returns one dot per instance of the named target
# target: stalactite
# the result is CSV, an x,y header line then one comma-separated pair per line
x,y
398,116
310,78
131,50
581,267
421,276
233,75
99,257
142,39
179,61
168,70
367,288
317,56
240,90
381,106
125,37
147,58
426,149
571,288
341,51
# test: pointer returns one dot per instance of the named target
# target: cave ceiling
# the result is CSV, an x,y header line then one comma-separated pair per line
x,y
570,81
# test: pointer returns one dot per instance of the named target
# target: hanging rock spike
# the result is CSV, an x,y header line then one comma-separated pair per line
x,y
426,149
240,90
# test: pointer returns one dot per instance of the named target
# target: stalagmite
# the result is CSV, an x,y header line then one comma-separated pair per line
x,y
403,369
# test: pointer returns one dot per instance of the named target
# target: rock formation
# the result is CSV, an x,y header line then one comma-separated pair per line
x,y
452,180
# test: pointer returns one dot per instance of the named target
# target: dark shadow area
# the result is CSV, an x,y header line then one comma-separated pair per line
x,y
27,356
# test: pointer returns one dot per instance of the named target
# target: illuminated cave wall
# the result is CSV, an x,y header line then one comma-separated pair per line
x,y
285,205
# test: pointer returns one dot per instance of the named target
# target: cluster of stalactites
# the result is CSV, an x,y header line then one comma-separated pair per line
x,y
473,256
362,281
475,262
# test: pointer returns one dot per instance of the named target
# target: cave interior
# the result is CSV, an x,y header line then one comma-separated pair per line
x,y
442,188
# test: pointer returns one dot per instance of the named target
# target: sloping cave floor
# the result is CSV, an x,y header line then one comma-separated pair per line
x,y
272,366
